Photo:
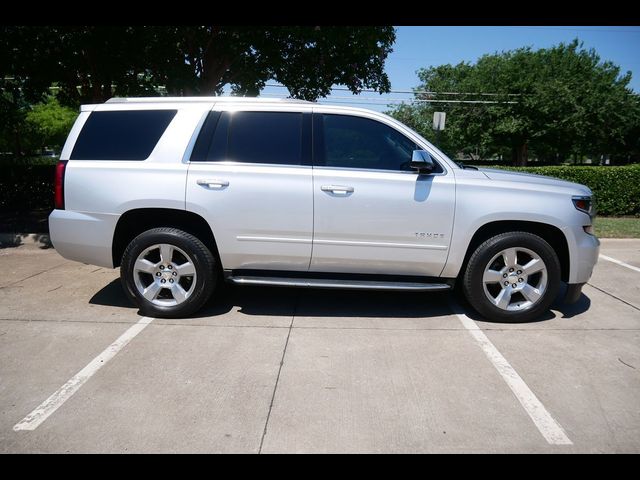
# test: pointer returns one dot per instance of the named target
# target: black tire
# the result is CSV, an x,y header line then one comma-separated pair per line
x,y
203,261
473,286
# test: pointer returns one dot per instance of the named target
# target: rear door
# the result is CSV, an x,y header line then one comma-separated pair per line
x,y
250,178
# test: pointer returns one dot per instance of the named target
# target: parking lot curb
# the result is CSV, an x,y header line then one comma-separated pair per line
x,y
41,240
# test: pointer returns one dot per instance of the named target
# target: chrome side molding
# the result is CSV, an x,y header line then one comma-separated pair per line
x,y
343,284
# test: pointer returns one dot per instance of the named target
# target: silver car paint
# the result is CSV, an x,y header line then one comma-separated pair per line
x,y
393,222
262,214
278,217
83,237
481,200
262,218
103,190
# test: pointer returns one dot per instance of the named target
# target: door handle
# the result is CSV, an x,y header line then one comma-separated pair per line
x,y
212,183
337,189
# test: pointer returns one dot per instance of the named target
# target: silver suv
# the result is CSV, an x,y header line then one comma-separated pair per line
x,y
183,193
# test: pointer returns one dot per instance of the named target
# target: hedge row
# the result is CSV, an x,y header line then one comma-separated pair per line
x,y
26,187
616,189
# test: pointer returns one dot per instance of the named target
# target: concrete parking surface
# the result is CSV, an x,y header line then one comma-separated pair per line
x,y
282,370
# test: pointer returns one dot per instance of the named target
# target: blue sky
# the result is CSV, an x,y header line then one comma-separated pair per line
x,y
418,47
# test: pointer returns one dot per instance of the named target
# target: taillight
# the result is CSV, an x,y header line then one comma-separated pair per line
x,y
58,189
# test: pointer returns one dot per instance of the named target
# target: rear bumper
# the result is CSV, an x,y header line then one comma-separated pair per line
x,y
83,237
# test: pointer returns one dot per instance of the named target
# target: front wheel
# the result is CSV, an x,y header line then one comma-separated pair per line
x,y
512,277
168,273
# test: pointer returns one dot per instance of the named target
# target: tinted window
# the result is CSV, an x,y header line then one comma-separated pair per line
x,y
256,137
219,143
203,143
121,135
265,137
358,142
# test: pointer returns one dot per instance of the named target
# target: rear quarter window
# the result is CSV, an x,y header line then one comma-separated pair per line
x,y
121,135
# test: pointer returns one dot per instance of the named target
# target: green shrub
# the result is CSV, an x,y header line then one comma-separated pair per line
x,y
616,189
26,187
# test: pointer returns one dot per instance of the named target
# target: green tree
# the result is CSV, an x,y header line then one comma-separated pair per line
x,y
50,123
554,101
92,64
307,60
15,133
26,129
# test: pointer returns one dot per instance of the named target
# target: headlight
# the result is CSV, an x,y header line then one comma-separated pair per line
x,y
584,204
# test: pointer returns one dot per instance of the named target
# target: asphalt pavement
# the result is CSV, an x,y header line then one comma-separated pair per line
x,y
275,370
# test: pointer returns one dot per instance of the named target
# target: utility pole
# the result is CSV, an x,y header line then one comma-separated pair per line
x,y
438,125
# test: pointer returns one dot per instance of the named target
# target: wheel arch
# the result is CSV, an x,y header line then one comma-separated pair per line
x,y
550,233
133,222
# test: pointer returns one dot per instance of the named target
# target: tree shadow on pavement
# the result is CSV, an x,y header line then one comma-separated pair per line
x,y
13,240
10,240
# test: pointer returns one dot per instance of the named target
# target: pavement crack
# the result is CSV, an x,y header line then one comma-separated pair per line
x,y
275,387
625,363
34,275
612,295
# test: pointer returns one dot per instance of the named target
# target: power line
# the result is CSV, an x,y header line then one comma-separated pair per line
x,y
426,92
615,30
375,101
364,102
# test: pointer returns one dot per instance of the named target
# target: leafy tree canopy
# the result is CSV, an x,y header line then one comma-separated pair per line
x,y
51,122
92,64
556,101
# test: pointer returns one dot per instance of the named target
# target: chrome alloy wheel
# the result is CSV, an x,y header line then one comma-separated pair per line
x,y
165,275
515,279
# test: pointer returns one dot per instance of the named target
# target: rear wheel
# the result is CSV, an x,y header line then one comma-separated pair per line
x,y
512,277
168,273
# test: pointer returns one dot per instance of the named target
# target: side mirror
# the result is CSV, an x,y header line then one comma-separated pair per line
x,y
422,161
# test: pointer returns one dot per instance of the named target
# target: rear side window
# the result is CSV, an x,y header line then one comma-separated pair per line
x,y
121,135
253,137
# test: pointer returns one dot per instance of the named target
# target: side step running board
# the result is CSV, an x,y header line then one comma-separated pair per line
x,y
346,284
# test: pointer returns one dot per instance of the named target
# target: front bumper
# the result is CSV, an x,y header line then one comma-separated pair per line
x,y
583,254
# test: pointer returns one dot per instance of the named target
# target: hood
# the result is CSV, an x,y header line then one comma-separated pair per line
x,y
534,179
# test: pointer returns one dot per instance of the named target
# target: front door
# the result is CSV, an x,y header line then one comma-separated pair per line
x,y
372,213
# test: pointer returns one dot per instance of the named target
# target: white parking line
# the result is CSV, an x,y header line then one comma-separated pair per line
x,y
619,262
550,429
57,399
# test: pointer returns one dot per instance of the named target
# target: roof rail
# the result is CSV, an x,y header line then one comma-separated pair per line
x,y
203,99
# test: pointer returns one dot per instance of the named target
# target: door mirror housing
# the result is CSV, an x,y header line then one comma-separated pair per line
x,y
422,162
